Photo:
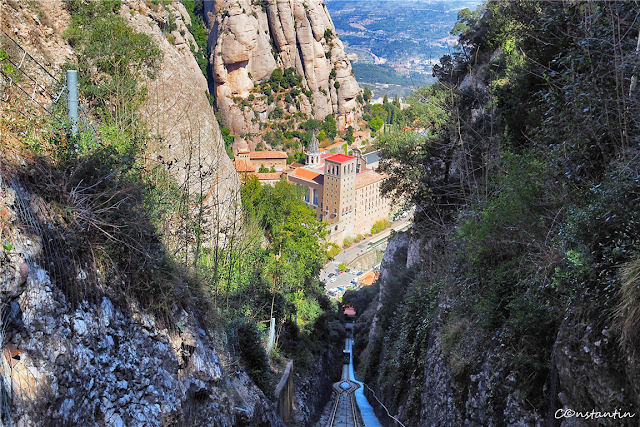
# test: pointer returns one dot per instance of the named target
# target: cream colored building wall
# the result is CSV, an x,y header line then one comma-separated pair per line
x,y
370,207
278,164
339,197
310,202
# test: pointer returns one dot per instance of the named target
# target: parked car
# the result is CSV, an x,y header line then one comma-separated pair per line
x,y
354,281
359,273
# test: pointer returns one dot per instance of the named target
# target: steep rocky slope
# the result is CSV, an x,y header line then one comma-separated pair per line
x,y
97,358
475,383
178,110
249,39
438,393
38,27
104,363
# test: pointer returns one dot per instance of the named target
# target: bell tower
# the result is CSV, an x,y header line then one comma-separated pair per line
x,y
313,152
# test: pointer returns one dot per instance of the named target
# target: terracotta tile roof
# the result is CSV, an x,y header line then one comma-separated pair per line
x,y
335,146
308,175
349,311
340,158
368,279
244,166
295,165
269,176
268,155
368,177
325,155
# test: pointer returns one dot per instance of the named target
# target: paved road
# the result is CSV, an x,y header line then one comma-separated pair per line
x,y
343,280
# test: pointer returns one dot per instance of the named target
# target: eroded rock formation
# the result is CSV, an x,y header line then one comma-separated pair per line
x,y
178,110
249,39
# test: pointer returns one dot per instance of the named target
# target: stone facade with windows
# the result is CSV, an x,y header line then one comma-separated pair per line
x,y
248,163
343,192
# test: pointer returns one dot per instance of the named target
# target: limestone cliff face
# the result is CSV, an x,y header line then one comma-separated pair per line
x,y
104,362
178,110
475,384
249,39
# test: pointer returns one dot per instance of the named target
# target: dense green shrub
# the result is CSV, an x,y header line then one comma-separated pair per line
x,y
253,355
362,298
520,212
107,45
277,113
376,123
226,136
367,94
333,251
604,234
380,225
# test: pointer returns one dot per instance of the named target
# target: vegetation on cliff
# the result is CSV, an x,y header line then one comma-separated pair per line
x,y
126,227
526,187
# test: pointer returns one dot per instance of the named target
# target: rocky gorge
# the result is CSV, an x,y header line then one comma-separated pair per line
x,y
79,348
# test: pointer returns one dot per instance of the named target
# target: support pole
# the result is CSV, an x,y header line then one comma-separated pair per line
x,y
634,78
272,335
72,100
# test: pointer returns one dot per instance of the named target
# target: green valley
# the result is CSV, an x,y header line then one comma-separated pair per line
x,y
409,37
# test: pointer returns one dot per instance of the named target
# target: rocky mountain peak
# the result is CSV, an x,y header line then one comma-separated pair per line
x,y
248,40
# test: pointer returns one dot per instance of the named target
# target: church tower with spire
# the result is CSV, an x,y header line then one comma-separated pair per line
x,y
313,152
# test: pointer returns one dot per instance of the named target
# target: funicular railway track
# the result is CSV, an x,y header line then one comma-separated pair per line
x,y
344,413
